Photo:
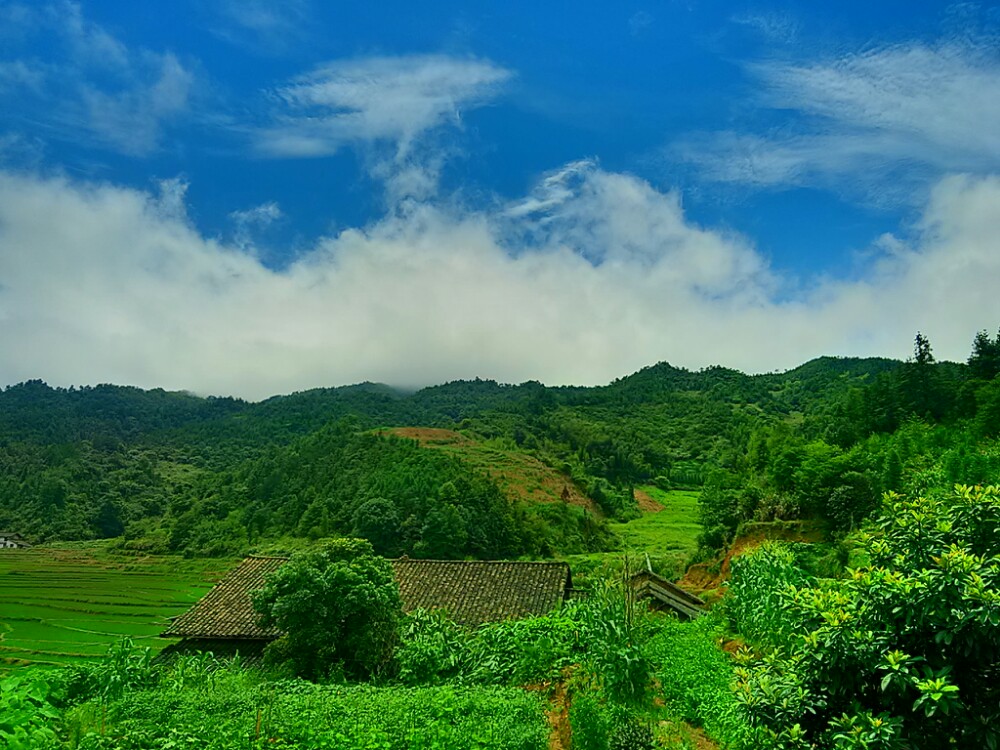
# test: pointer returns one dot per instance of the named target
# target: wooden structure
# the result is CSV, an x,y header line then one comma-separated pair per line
x,y
11,540
472,592
665,595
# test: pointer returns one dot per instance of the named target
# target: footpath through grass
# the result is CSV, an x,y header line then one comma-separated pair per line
x,y
69,602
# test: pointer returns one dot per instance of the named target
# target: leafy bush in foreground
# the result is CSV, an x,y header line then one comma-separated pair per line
x,y
25,712
905,651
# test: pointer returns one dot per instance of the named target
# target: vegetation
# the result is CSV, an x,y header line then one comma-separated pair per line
x,y
338,607
902,652
67,604
883,632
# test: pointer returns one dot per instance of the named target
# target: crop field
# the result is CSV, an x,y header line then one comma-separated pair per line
x,y
667,531
70,602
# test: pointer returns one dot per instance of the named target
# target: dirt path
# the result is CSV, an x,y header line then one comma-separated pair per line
x,y
646,502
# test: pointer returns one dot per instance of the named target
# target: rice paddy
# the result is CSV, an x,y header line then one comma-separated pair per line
x,y
67,603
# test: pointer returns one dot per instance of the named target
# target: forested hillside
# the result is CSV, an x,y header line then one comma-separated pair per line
x,y
178,472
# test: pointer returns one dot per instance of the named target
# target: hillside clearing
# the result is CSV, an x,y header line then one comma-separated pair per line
x,y
520,476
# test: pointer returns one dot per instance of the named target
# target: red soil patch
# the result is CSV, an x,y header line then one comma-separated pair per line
x,y
707,576
646,502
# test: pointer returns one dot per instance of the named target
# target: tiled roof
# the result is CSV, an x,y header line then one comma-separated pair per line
x,y
476,591
226,611
473,592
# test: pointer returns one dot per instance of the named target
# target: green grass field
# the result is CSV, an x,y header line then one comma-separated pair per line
x,y
669,536
68,602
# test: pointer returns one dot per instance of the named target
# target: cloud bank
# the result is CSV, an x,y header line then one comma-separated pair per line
x,y
592,276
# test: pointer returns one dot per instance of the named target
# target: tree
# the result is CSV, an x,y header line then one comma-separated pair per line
x,y
339,609
921,392
377,520
984,362
922,354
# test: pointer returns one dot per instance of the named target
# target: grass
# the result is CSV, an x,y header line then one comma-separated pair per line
x,y
69,602
520,475
669,535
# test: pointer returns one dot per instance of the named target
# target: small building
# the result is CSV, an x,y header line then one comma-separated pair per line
x,y
472,592
666,596
11,540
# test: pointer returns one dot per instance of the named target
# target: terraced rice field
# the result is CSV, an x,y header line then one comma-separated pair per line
x,y
69,603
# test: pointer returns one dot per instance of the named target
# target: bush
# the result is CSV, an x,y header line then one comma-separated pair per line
x,y
756,589
338,606
432,649
589,722
904,650
26,714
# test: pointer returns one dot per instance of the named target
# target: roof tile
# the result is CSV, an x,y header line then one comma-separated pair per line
x,y
471,591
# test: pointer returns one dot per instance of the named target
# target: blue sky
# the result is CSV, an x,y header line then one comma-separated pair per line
x,y
251,197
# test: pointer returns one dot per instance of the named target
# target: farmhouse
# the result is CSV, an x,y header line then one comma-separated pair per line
x,y
473,592
10,540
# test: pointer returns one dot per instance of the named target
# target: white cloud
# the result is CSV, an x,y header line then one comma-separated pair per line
x,y
91,85
390,108
379,99
252,220
883,119
774,27
593,276
263,25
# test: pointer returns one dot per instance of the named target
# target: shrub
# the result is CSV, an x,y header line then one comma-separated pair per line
x,y
26,715
904,650
432,649
589,722
756,590
338,606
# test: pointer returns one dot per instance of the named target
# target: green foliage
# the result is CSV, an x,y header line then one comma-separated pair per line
x,y
432,649
589,722
757,586
984,362
614,626
239,712
26,713
216,476
338,605
695,676
904,649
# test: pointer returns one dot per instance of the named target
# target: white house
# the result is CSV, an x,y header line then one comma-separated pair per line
x,y
10,540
